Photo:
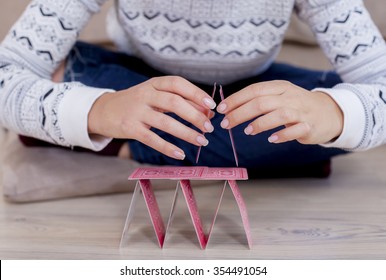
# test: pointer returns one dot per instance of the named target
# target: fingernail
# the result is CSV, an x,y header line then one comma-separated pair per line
x,y
273,138
211,114
221,108
179,155
210,103
224,123
202,140
248,130
208,127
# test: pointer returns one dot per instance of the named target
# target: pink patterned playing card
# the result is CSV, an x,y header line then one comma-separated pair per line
x,y
152,206
230,133
199,148
193,210
167,172
243,210
224,173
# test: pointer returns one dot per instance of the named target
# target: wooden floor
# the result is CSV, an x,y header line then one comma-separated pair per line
x,y
343,217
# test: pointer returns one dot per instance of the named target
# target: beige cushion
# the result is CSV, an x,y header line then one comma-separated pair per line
x,y
31,174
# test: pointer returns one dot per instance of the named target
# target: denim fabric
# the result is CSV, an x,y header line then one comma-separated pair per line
x,y
98,67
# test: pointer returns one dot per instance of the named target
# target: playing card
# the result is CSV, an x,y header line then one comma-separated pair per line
x,y
243,210
130,214
216,212
193,210
199,148
172,209
153,209
224,173
167,172
230,133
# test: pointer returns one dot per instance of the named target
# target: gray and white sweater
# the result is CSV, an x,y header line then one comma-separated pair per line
x,y
202,40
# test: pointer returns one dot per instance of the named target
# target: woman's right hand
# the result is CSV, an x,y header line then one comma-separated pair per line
x,y
132,112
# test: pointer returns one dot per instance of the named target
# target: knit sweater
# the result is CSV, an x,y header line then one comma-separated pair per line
x,y
201,40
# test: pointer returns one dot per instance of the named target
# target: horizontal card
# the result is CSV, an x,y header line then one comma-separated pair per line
x,y
224,173
167,172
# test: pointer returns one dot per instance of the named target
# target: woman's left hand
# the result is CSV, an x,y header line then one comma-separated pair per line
x,y
308,117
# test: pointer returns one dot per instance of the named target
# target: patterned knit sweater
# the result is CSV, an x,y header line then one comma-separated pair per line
x,y
202,40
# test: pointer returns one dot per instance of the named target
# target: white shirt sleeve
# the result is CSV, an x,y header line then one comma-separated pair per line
x,y
353,116
73,115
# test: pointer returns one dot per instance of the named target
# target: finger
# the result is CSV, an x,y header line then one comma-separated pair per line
x,y
293,132
250,110
184,88
176,104
207,112
152,140
276,118
173,127
250,92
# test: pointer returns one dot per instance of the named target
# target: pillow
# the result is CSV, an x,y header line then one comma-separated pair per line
x,y
37,173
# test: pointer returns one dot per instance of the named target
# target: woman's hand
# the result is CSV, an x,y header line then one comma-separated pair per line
x,y
308,117
132,112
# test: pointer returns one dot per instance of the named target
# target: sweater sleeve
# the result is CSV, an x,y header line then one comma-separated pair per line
x,y
31,104
356,49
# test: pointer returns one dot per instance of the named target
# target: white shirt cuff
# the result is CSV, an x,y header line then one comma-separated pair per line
x,y
354,118
73,117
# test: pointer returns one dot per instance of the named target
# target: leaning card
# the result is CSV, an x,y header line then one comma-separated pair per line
x,y
230,134
193,210
243,210
154,212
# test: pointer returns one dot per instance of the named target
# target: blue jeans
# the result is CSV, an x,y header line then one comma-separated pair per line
x,y
98,67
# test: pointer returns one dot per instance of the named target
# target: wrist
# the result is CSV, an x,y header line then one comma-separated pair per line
x,y
332,116
95,119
